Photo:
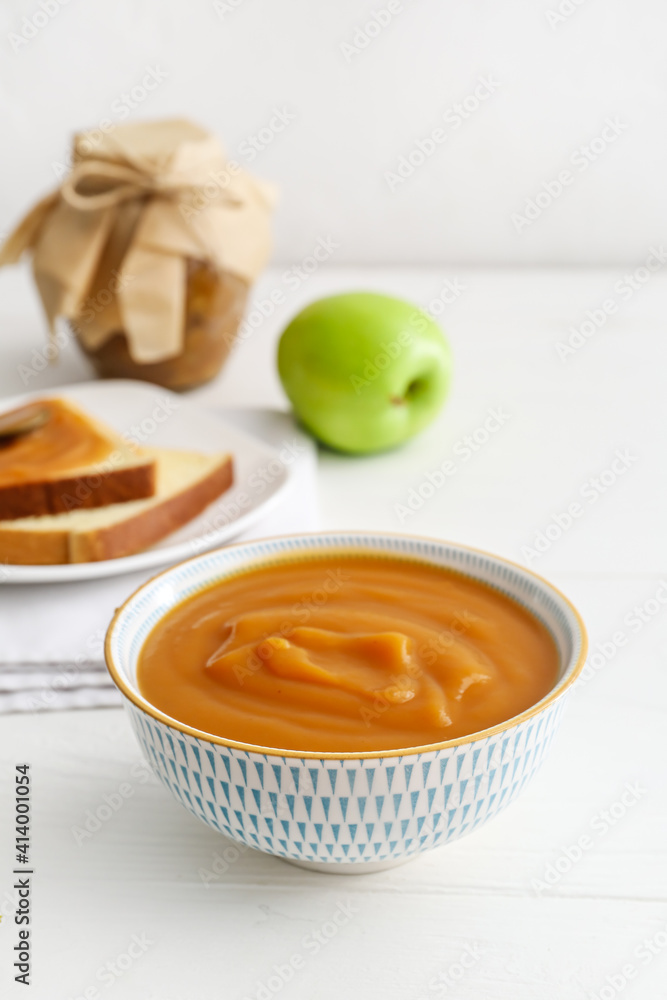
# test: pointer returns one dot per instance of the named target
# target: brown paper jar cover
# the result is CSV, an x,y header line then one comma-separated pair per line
x,y
149,249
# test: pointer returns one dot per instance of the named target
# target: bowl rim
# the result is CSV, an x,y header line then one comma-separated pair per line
x,y
558,690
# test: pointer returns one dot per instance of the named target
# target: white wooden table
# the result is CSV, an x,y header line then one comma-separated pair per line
x,y
565,894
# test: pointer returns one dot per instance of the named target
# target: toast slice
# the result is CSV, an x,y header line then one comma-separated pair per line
x,y
72,462
186,483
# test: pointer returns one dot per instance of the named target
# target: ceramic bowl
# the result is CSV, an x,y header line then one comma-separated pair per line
x,y
344,812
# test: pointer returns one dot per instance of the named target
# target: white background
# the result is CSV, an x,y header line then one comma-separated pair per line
x,y
356,112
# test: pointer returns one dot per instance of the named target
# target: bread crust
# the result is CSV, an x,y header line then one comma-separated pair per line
x,y
56,496
22,548
150,526
126,537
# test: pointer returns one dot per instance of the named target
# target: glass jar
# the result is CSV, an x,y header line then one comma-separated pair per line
x,y
214,305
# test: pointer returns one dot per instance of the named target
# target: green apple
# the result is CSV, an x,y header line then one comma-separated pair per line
x,y
364,371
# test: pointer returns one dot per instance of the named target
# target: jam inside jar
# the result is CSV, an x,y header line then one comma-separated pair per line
x,y
214,305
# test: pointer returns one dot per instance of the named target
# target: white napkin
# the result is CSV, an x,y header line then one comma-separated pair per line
x,y
51,635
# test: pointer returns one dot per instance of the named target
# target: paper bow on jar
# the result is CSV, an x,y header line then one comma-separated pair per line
x,y
110,248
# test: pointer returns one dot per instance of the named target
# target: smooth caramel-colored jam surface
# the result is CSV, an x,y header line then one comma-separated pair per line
x,y
346,654
67,441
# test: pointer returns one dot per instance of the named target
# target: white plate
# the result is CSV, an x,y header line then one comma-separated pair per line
x,y
156,417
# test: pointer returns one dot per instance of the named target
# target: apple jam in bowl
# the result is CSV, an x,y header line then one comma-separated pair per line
x,y
345,701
